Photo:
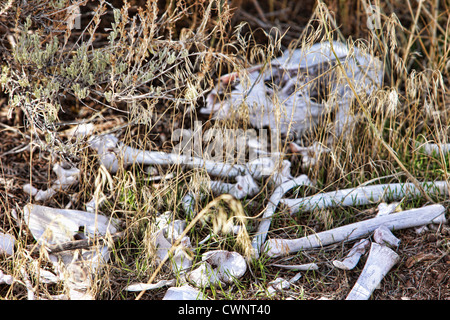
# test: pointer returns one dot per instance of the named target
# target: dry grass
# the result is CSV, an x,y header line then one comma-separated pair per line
x,y
143,71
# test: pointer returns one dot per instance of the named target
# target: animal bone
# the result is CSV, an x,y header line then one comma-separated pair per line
x,y
310,154
185,292
297,267
7,242
137,287
382,235
290,104
218,267
435,148
5,278
362,195
384,209
111,154
380,260
283,175
396,221
264,225
245,186
230,265
65,179
51,226
353,256
280,284
163,239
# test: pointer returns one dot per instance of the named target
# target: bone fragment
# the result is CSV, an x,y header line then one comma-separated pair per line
x,y
244,187
167,233
382,235
352,258
436,148
363,195
396,221
50,226
310,155
7,242
279,192
380,260
230,265
288,104
185,292
138,287
384,208
281,284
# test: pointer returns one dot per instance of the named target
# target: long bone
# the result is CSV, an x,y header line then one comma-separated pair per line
x,y
380,260
279,192
396,221
112,154
363,195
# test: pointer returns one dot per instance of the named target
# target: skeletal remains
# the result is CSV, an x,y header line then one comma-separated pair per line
x,y
291,94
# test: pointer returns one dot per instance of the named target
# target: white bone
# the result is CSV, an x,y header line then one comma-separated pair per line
x,y
281,284
363,195
382,235
204,276
244,187
229,265
185,292
264,225
167,233
111,154
28,188
310,154
65,179
384,208
283,174
352,258
137,287
7,242
5,278
291,108
396,221
297,267
56,226
435,148
380,260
